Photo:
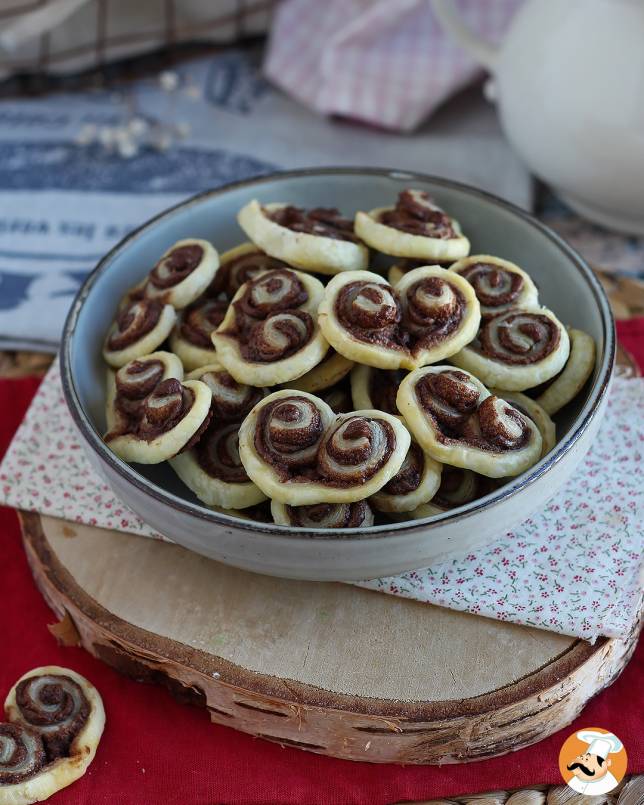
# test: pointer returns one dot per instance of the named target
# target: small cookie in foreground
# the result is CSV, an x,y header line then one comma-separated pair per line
x,y
312,240
270,333
536,413
579,367
376,388
499,284
56,718
138,329
415,227
183,273
172,419
430,315
516,350
416,482
457,421
324,515
191,337
457,488
299,452
327,373
129,387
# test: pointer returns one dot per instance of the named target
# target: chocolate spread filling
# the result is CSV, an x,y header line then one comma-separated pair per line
x,y
408,477
429,325
326,222
133,322
493,285
176,266
354,451
164,409
451,401
519,338
22,754
133,384
287,435
383,388
417,218
232,274
56,707
329,515
231,401
218,454
200,319
272,292
371,312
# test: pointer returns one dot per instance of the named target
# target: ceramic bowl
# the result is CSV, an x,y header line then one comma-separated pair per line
x,y
566,284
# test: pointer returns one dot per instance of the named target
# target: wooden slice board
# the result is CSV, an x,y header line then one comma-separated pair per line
x,y
325,667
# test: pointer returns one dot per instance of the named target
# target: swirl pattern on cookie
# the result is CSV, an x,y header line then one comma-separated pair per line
x,y
22,753
499,284
416,482
457,421
579,367
191,338
270,334
183,273
535,412
138,329
428,316
415,227
516,350
324,515
237,266
298,452
318,240
457,488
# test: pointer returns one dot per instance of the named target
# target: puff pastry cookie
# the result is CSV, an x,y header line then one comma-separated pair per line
x,y
536,413
318,240
172,419
457,421
129,387
416,482
516,350
212,468
191,337
237,266
270,332
183,273
499,284
299,452
457,488
324,515
416,227
138,329
55,722
430,314
571,380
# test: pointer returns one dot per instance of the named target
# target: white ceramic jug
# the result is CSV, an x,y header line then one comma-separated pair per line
x,y
569,83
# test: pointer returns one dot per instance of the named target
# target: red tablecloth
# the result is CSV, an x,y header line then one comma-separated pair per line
x,y
157,751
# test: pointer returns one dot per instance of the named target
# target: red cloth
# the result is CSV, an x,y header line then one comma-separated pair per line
x,y
631,336
155,750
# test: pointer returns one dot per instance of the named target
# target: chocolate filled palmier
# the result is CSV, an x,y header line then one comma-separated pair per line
x,y
457,488
536,413
270,333
430,315
516,350
183,273
457,421
415,483
498,284
319,239
55,719
415,227
138,329
191,337
299,452
323,515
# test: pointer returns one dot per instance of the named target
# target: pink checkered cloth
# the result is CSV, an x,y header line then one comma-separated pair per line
x,y
384,62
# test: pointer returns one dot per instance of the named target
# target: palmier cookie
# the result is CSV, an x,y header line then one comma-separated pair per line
x,y
457,421
331,370
416,227
191,337
431,314
299,452
172,419
416,482
212,468
183,273
237,266
516,350
270,332
457,488
576,372
129,387
55,719
138,329
498,284
323,515
536,413
376,388
317,240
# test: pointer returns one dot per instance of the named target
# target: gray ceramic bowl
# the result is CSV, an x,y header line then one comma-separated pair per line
x,y
566,284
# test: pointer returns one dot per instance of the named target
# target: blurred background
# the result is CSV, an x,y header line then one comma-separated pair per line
x,y
112,110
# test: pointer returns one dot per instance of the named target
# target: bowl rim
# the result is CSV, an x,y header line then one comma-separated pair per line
x,y
459,514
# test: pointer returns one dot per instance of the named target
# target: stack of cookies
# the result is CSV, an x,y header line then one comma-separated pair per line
x,y
286,382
